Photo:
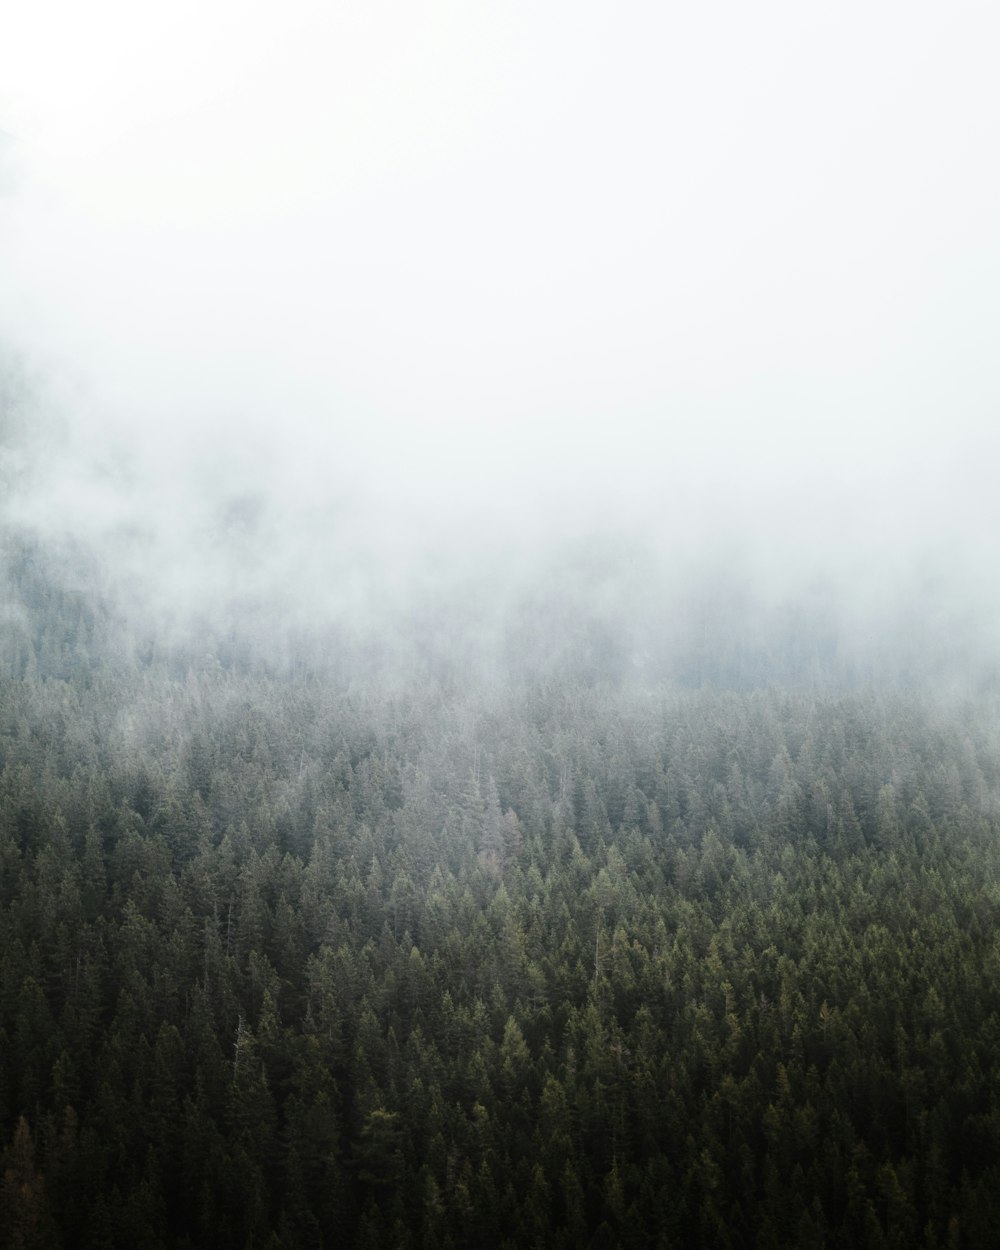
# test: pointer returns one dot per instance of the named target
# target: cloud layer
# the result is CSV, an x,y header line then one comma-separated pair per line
x,y
397,283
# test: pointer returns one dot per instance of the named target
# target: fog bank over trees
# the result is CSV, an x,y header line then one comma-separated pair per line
x,y
277,556
531,335
499,625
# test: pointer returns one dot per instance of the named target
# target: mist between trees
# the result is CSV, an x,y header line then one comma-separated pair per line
x,y
262,558
499,626
564,885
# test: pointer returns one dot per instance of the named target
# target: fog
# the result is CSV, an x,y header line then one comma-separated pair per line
x,y
334,307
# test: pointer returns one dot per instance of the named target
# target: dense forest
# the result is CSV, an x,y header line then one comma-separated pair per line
x,y
302,951
499,626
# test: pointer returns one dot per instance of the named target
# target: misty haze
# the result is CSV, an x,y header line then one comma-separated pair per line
x,y
499,626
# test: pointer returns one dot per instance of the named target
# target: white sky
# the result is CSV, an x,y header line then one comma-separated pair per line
x,y
471,255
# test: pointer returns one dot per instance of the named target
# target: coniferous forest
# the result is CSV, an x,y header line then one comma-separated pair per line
x,y
308,949
499,626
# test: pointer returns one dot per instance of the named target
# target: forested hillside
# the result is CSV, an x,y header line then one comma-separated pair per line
x,y
298,952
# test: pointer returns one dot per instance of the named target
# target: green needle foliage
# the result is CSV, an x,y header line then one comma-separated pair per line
x,y
290,958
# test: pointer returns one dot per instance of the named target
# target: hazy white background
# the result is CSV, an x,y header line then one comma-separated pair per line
x,y
415,269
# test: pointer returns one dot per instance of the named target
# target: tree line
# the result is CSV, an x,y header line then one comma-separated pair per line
x,y
294,957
